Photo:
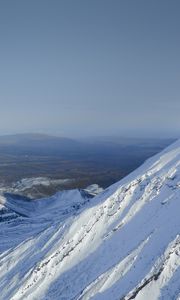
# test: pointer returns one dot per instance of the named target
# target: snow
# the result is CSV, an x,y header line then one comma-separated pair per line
x,y
94,189
27,183
122,244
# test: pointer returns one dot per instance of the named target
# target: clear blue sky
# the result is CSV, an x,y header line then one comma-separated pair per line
x,y
90,67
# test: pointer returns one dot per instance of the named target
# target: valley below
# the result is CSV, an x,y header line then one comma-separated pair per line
x,y
46,164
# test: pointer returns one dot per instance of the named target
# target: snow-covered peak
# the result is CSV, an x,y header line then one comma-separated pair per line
x,y
125,244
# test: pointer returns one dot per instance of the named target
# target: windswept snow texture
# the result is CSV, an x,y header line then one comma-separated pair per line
x,y
122,244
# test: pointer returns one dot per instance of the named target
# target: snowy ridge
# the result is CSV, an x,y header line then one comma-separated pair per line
x,y
123,244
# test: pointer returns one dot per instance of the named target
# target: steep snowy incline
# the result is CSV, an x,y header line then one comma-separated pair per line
x,y
125,243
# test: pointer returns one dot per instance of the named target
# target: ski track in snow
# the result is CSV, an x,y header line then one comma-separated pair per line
x,y
122,244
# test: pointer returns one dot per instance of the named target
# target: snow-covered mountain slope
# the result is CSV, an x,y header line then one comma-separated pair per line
x,y
123,244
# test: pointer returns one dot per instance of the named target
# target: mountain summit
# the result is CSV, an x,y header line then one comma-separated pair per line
x,y
122,244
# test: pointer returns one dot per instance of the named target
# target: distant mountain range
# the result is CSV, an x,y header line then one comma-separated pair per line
x,y
43,144
37,144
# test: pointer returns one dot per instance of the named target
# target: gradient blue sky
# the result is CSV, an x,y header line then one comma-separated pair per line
x,y
90,67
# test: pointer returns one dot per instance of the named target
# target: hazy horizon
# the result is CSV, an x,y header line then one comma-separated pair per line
x,y
120,135
90,68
